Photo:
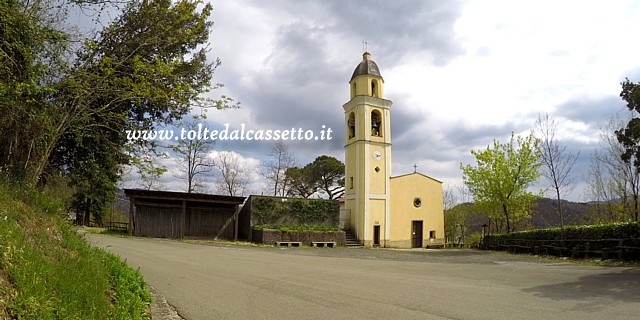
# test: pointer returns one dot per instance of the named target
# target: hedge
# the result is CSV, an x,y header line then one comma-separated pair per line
x,y
598,236
292,211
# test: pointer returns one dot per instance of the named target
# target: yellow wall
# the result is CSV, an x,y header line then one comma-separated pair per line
x,y
375,216
367,197
363,86
374,198
403,191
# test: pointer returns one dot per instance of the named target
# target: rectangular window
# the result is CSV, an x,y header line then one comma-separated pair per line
x,y
432,234
350,182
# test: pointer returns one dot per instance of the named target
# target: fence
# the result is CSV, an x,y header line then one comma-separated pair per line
x,y
622,249
118,226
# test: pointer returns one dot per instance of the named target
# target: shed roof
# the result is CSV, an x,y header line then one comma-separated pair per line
x,y
171,195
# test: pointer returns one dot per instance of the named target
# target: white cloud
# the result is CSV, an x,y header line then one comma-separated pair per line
x,y
460,73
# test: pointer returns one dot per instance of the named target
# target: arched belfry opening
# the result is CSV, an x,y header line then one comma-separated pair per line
x,y
375,92
351,124
376,123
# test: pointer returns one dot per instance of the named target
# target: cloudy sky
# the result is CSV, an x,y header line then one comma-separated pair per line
x,y
459,73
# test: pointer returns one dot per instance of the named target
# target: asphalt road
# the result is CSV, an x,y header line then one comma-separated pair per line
x,y
232,282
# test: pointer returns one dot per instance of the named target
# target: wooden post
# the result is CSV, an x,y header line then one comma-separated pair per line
x,y
183,214
131,208
235,222
621,250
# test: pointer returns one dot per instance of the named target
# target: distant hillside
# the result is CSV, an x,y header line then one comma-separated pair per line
x,y
544,215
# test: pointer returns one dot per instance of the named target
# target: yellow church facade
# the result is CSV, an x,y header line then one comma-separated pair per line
x,y
397,212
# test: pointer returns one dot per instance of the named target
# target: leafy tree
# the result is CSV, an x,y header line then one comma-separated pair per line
x,y
629,136
148,170
501,176
31,54
64,111
325,174
557,162
614,181
301,181
328,173
144,69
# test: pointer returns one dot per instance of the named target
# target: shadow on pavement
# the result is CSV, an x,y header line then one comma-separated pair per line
x,y
621,286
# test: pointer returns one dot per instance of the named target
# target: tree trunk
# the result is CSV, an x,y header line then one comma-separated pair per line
x,y
505,210
559,208
87,213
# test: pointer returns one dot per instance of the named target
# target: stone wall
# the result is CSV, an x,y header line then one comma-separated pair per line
x,y
269,236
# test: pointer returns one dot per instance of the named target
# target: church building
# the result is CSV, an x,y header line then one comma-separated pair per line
x,y
398,212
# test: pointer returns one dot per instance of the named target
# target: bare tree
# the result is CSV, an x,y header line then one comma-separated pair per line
x,y
276,167
457,206
557,162
193,158
449,199
602,191
613,182
233,177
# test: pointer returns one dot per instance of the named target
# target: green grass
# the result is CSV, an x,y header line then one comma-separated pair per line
x,y
225,243
52,272
303,227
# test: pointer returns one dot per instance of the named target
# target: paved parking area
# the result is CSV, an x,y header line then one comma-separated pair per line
x,y
233,282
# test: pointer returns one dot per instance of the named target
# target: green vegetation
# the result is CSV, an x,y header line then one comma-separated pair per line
x,y
325,174
48,271
294,211
303,227
501,177
599,236
67,100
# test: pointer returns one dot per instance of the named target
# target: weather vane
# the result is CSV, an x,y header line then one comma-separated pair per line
x,y
365,45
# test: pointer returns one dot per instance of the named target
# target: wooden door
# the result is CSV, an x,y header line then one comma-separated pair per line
x,y
416,234
376,235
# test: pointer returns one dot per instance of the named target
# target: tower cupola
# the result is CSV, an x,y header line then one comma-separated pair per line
x,y
366,79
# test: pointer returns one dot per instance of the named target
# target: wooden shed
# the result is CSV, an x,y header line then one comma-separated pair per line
x,y
166,214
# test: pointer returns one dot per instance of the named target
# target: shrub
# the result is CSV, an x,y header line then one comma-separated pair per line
x,y
303,227
603,235
273,210
54,272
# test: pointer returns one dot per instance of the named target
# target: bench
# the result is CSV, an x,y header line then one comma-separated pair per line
x,y
547,249
289,244
328,244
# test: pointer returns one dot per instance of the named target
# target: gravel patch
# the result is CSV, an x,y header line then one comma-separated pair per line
x,y
161,309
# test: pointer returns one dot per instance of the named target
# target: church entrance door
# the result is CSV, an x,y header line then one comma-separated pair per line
x,y
416,234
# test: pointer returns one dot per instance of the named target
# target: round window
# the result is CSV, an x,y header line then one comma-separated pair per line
x,y
417,202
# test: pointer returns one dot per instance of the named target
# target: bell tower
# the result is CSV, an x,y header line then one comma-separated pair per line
x,y
367,155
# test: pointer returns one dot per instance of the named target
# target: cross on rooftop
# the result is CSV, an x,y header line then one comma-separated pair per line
x,y
365,45
415,168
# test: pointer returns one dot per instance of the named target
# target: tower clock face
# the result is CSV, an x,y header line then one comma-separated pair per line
x,y
376,155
